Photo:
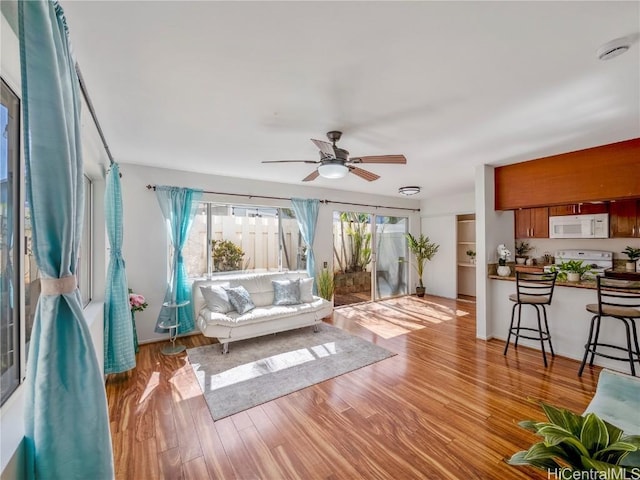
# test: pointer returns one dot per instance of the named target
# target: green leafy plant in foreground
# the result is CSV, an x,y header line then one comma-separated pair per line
x,y
579,443
571,266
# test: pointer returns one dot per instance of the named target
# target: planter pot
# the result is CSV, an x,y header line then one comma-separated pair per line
x,y
504,270
521,260
630,266
573,277
420,291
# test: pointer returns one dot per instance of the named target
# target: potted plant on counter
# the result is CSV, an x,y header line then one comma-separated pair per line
x,y
504,270
572,270
423,249
634,256
522,249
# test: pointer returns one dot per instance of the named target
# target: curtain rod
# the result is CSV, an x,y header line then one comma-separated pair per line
x,y
85,94
153,187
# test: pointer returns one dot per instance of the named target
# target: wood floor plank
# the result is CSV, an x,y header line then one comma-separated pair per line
x,y
445,407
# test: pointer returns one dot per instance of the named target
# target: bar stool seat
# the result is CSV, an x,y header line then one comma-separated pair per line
x,y
535,289
618,301
529,299
614,311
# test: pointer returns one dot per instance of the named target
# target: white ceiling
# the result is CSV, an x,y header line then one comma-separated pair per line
x,y
217,87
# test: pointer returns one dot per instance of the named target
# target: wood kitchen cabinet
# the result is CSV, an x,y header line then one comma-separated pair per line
x,y
532,222
624,218
578,209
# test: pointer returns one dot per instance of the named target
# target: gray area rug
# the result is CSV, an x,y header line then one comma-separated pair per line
x,y
258,370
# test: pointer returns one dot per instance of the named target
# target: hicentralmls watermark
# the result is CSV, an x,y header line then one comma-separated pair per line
x,y
613,474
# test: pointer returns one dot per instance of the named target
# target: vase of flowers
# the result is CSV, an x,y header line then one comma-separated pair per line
x,y
503,254
137,303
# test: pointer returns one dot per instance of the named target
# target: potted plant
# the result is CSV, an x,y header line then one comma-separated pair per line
x,y
422,249
572,270
634,256
585,444
325,284
503,254
522,249
472,256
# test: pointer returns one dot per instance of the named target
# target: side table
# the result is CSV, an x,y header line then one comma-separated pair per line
x,y
172,325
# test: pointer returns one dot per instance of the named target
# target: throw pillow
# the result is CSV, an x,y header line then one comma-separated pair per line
x,y
240,299
306,290
286,292
216,298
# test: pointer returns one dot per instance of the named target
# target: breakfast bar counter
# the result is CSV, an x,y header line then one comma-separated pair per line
x,y
568,319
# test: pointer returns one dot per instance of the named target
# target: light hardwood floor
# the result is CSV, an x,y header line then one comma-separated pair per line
x,y
445,407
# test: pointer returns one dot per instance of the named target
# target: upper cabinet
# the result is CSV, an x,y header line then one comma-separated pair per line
x,y
578,209
608,172
532,223
624,219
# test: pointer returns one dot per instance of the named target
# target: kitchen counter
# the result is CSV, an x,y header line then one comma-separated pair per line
x,y
588,283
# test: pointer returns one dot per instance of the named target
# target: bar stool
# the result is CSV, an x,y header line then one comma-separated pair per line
x,y
619,300
535,289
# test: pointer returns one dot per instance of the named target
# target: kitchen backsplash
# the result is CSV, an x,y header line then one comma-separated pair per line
x,y
551,245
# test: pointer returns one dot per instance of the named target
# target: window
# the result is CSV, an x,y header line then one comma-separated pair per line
x,y
84,273
10,284
243,237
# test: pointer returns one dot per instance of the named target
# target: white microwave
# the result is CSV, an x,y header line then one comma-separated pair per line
x,y
579,226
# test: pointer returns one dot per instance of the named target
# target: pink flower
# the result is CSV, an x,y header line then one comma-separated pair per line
x,y
137,302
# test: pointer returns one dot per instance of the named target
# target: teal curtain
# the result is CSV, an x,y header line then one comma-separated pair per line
x,y
66,419
119,341
306,211
178,207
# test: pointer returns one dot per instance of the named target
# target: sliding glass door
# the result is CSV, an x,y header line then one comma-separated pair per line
x,y
369,253
390,279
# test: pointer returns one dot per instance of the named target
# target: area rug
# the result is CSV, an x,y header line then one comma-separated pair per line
x,y
258,370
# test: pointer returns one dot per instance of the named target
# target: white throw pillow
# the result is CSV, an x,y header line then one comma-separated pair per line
x,y
306,290
216,298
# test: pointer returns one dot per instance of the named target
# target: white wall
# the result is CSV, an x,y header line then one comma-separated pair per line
x,y
492,229
146,245
438,220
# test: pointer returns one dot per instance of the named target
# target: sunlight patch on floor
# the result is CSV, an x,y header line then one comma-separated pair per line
x,y
388,328
264,366
152,384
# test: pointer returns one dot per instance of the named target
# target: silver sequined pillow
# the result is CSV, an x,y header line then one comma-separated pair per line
x,y
286,292
240,299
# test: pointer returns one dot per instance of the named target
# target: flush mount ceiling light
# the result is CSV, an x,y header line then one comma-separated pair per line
x,y
410,190
333,169
614,48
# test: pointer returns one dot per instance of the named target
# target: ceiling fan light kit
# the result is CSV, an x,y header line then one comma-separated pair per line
x,y
335,162
333,169
409,190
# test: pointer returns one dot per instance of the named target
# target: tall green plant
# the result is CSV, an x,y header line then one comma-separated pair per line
x,y
422,249
325,283
579,443
356,242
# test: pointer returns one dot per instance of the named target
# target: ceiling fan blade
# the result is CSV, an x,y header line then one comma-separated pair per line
x,y
325,147
312,176
395,159
366,174
290,161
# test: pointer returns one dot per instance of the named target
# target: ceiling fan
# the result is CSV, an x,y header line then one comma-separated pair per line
x,y
335,162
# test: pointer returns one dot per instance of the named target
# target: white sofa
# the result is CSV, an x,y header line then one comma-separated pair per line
x,y
265,318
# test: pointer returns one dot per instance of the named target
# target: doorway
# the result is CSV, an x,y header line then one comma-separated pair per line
x,y
369,257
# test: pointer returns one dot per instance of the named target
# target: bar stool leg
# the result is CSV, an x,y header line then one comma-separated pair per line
x,y
587,346
544,355
595,340
515,344
635,337
546,324
629,350
513,311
